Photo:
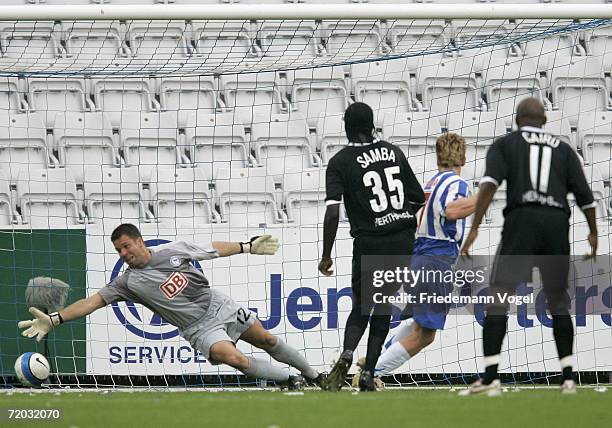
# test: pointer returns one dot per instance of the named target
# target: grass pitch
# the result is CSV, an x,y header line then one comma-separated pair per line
x,y
522,408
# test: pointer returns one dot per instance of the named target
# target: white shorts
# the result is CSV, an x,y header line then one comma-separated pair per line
x,y
225,320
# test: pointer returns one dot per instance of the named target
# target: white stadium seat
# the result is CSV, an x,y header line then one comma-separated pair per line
x,y
599,44
48,198
224,42
53,95
11,95
248,200
479,129
23,143
418,35
181,197
288,41
595,130
600,194
548,52
159,42
331,136
283,143
216,139
84,140
579,87
449,84
94,43
7,205
31,42
316,90
415,134
482,39
558,124
510,80
349,38
114,96
250,94
113,196
150,139
384,85
186,94
304,194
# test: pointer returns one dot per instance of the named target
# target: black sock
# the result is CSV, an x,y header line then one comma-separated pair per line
x,y
355,326
493,334
379,327
563,332
490,374
568,373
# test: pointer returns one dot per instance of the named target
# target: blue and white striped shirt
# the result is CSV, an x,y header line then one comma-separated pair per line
x,y
436,235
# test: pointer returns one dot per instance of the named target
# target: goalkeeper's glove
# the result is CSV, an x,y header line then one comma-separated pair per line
x,y
41,325
265,244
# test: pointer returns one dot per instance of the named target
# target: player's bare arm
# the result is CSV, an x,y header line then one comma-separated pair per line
x,y
461,208
484,198
590,215
330,228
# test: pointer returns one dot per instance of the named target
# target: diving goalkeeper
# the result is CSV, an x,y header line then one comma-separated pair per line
x,y
163,280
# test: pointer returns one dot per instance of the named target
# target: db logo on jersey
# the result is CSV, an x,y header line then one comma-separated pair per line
x,y
174,285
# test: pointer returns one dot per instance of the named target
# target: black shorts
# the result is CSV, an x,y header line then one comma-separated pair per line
x,y
533,237
393,244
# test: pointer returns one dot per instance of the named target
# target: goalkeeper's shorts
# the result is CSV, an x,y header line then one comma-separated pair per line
x,y
225,320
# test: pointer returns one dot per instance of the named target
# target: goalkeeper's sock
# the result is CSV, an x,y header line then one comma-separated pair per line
x,y
392,358
264,370
493,334
286,354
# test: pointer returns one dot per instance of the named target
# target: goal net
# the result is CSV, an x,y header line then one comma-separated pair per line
x,y
204,130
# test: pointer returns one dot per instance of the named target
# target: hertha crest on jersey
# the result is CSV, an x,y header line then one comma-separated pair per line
x,y
174,285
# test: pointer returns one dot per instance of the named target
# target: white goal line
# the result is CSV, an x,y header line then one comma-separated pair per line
x,y
306,11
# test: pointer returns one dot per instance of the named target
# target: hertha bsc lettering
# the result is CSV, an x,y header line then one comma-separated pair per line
x,y
174,285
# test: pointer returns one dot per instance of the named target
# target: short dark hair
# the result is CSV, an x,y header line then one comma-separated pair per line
x,y
125,229
359,123
530,112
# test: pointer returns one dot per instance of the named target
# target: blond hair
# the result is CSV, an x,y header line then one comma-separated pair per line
x,y
450,150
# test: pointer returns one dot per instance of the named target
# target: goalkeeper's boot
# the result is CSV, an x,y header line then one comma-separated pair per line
x,y
492,389
568,387
317,381
295,383
336,377
366,381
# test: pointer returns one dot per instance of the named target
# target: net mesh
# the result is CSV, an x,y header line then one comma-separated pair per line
x,y
201,130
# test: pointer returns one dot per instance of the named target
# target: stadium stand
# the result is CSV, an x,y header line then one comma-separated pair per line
x,y
217,139
181,197
23,143
85,140
48,198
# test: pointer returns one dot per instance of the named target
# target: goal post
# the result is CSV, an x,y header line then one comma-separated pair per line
x,y
216,122
392,10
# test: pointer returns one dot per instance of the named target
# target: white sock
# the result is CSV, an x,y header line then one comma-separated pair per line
x,y
394,357
261,369
286,354
404,330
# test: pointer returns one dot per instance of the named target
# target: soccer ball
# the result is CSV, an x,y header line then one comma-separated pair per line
x,y
32,369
